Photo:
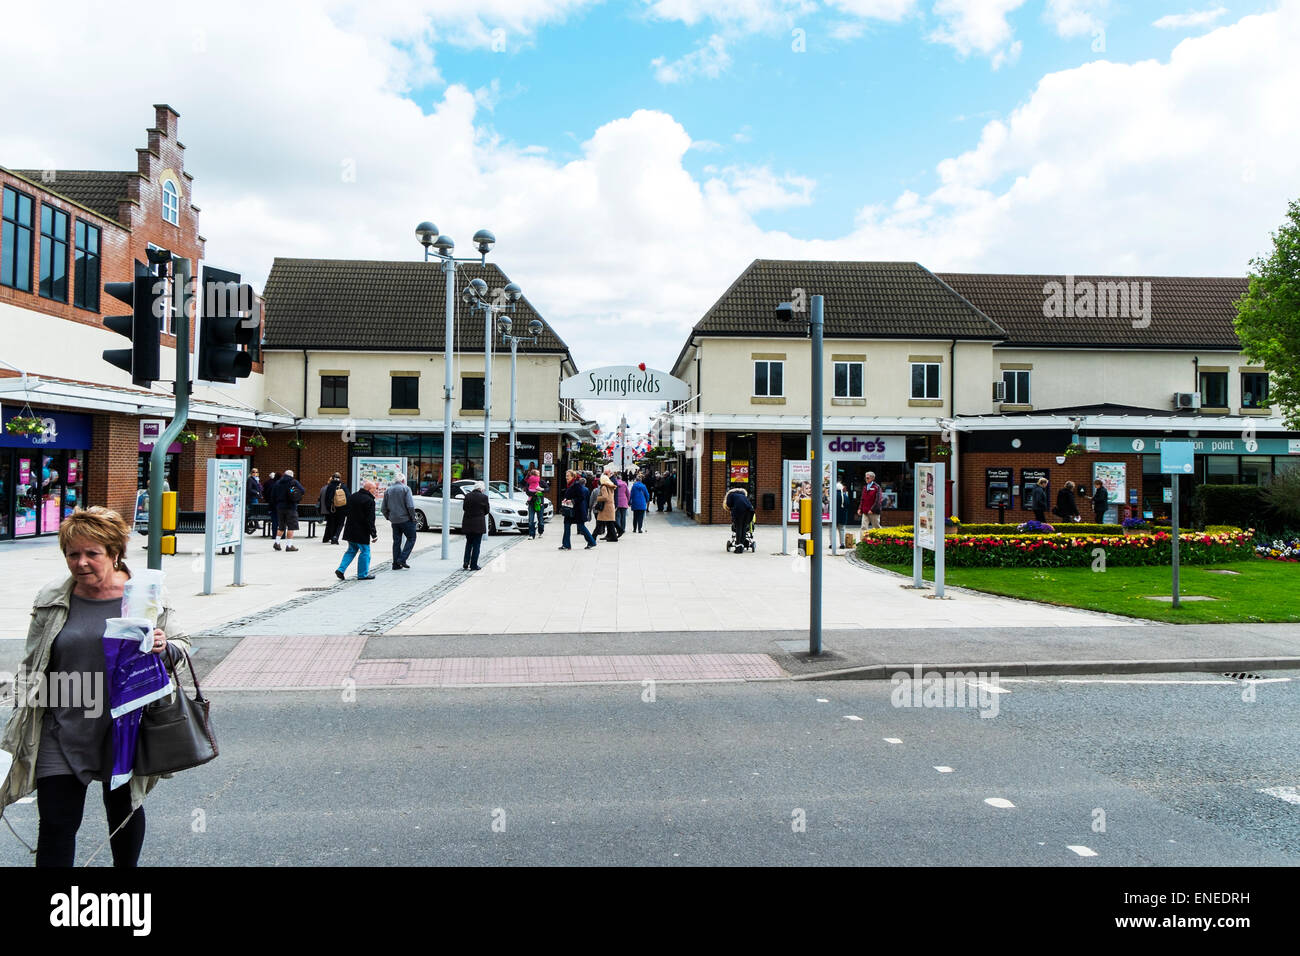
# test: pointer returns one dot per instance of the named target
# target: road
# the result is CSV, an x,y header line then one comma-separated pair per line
x,y
724,773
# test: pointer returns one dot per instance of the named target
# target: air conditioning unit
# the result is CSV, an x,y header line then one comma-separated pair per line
x,y
999,391
1187,399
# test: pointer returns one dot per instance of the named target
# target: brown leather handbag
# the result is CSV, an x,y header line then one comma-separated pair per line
x,y
175,732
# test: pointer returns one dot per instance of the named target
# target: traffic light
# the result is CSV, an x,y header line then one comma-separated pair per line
x,y
141,360
227,324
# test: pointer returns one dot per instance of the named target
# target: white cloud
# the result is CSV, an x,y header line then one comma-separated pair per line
x,y
1076,17
1196,18
710,59
752,188
750,16
974,26
1008,56
891,10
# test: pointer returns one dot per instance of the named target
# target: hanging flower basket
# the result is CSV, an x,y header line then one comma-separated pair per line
x,y
1074,448
297,443
942,451
257,441
22,425
187,438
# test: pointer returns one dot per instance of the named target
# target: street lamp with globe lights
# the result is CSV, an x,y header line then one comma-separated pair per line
x,y
442,248
475,295
504,325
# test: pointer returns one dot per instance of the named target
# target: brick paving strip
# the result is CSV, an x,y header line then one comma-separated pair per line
x,y
305,663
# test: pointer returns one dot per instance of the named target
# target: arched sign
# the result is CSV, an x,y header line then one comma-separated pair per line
x,y
622,382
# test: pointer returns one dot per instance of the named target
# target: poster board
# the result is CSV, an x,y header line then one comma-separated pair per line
x,y
382,471
801,487
927,514
1114,478
223,525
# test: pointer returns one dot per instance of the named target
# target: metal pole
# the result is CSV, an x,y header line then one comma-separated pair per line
x,y
514,352
941,526
785,507
488,313
815,595
835,509
1175,482
916,526
158,457
449,270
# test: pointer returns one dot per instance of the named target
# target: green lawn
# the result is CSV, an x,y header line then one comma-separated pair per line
x,y
1261,591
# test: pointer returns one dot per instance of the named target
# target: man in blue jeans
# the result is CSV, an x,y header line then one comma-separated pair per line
x,y
399,509
359,531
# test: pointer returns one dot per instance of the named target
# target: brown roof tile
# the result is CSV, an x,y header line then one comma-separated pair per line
x,y
95,189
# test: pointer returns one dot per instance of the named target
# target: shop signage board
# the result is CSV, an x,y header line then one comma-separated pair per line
x,y
382,471
151,430
224,521
623,382
719,456
928,522
1212,445
864,448
58,430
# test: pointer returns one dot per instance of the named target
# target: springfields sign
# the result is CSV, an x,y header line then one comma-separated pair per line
x,y
619,382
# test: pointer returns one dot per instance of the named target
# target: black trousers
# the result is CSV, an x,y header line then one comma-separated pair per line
x,y
638,519
333,525
61,801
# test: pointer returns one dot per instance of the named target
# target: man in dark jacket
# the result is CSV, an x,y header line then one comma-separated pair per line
x,y
474,524
742,512
286,493
333,512
1100,501
664,491
1038,501
359,531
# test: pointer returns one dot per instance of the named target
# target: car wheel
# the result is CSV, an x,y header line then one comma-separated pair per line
x,y
421,522
492,526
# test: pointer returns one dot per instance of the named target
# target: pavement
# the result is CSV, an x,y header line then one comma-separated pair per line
x,y
668,605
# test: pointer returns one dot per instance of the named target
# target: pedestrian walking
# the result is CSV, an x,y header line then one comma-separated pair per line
x,y
268,487
1100,501
536,504
621,499
843,511
605,497
638,497
871,504
665,489
288,491
399,509
359,531
1067,508
573,502
474,524
1038,501
58,747
252,491
333,505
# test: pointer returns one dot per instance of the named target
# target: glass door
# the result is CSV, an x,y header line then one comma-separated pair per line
x,y
51,491
26,496
5,480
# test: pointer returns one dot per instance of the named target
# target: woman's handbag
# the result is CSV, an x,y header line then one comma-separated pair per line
x,y
175,733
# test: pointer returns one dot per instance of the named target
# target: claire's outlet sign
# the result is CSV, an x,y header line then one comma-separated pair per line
x,y
864,448
622,382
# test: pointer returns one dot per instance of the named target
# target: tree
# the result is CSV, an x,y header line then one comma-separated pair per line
x,y
1268,317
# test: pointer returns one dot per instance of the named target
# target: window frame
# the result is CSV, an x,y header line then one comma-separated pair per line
x,y
1201,387
172,191
1012,394
393,388
464,392
938,381
82,256
848,378
768,378
331,382
1267,388
12,226
49,254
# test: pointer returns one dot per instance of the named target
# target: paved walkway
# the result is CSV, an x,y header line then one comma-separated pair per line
x,y
678,577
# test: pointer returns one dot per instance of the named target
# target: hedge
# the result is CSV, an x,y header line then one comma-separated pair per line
x,y
1061,550
1011,528
1241,505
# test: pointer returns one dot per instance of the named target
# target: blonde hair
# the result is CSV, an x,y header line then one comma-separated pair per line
x,y
101,525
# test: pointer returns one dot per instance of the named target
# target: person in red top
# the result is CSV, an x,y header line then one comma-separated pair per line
x,y
870,505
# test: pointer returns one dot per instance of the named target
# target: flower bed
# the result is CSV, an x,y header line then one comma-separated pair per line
x,y
1075,528
888,546
1279,550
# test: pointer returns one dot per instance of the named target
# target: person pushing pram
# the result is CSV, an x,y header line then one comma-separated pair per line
x,y
742,519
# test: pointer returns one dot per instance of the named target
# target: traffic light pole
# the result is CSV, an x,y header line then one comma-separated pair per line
x,y
815,589
158,457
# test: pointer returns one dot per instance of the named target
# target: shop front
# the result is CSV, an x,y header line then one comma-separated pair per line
x,y
43,475
424,461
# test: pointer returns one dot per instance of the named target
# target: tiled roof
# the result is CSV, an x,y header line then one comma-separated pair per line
x,y
863,300
95,189
358,305
1184,311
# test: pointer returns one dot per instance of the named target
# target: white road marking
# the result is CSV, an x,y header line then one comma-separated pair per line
x,y
893,740
1263,680
1289,794
990,688
1082,850
1002,803
944,769
851,717
822,700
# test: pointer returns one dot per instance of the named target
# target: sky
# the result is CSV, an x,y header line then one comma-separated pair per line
x,y
634,157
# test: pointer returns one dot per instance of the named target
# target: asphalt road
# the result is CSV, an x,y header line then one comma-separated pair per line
x,y
722,774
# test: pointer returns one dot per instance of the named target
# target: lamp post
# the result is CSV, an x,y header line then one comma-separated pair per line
x,y
535,329
475,295
442,247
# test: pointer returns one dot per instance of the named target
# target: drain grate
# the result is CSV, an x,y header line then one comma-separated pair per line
x,y
325,588
1242,675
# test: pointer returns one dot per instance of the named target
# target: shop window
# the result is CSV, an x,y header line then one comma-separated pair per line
x,y
1017,387
471,393
1254,389
405,392
1256,470
1214,389
1220,469
848,379
925,380
85,279
171,208
53,283
16,240
334,391
769,378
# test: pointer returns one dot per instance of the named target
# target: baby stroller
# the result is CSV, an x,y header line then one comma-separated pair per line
x,y
742,521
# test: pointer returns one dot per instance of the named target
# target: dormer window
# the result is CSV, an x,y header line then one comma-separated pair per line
x,y
171,203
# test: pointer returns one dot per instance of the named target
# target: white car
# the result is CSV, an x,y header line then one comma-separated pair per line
x,y
507,514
